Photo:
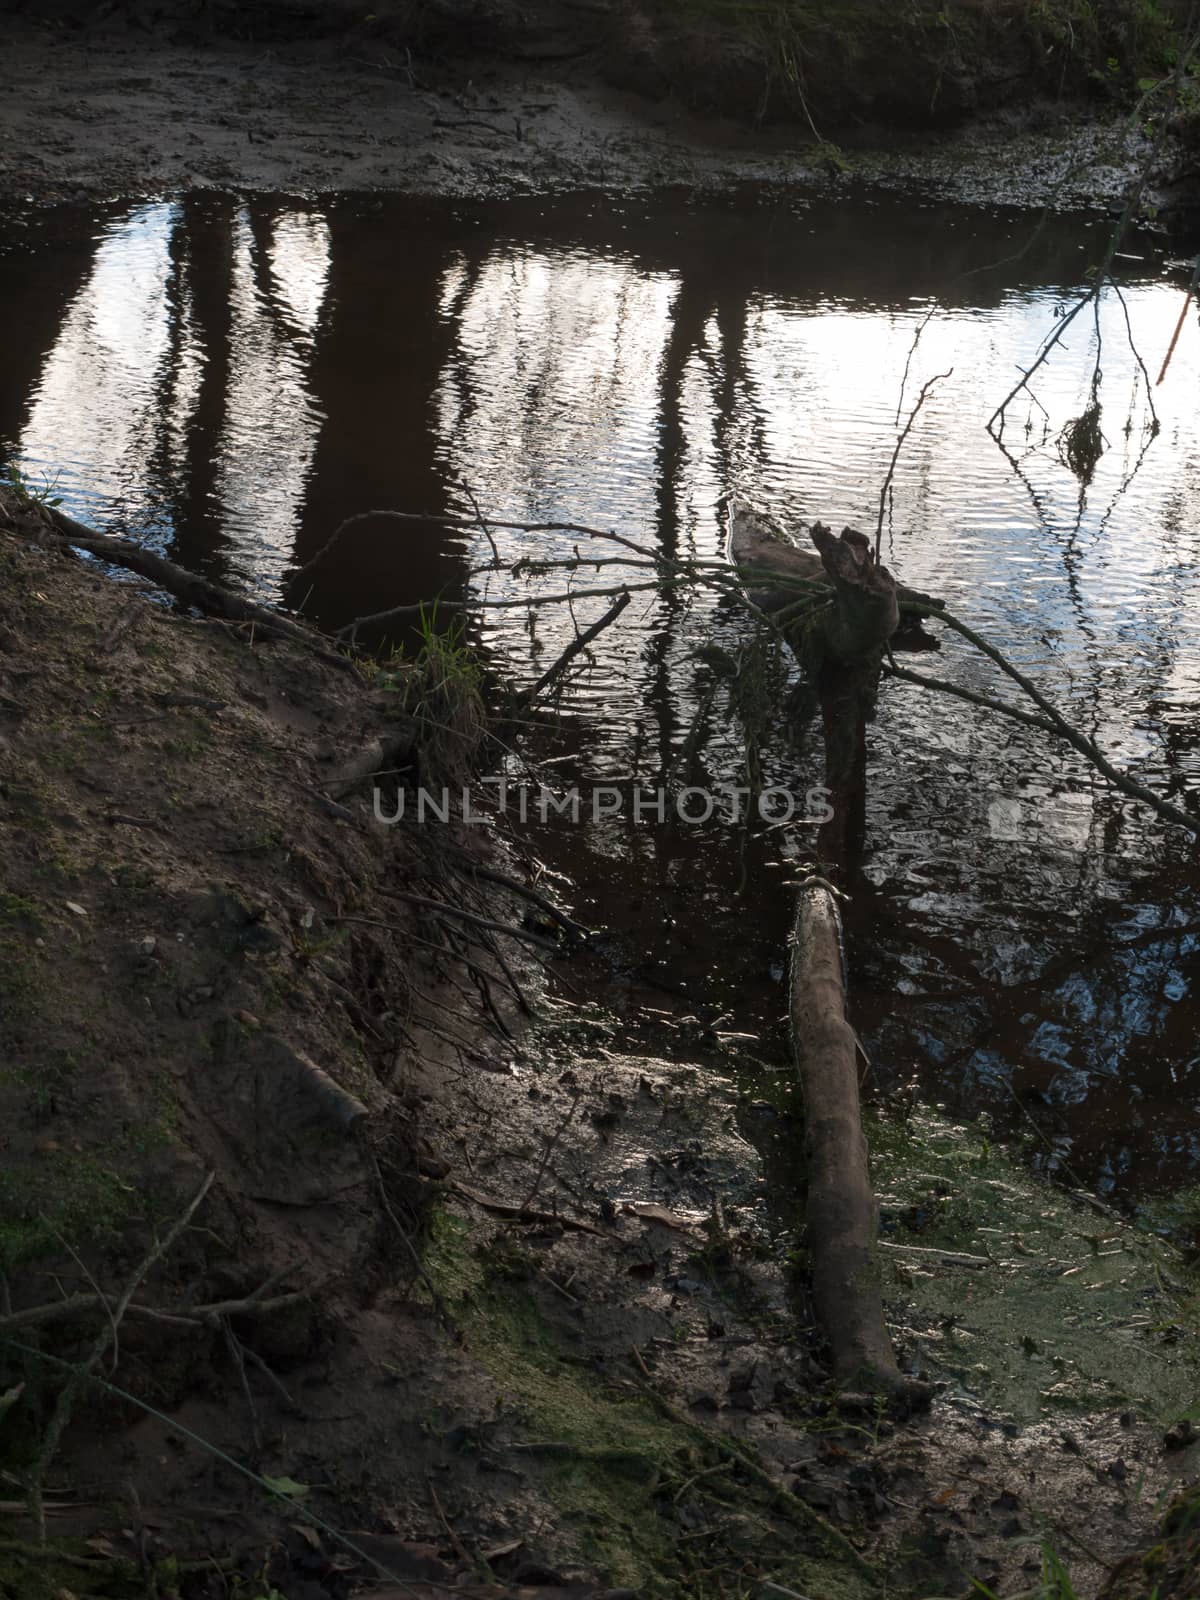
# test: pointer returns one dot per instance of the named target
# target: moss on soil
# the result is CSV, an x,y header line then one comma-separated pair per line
x,y
610,1451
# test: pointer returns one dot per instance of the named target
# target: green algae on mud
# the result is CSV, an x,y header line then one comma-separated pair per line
x,y
1076,1309
601,1451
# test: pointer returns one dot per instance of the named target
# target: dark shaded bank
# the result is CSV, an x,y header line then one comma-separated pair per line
x,y
854,63
1061,103
839,64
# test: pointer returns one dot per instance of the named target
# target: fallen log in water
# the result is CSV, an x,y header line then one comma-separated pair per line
x,y
842,1211
55,529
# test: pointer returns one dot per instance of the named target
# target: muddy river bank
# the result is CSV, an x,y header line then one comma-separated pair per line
x,y
279,287
227,377
113,105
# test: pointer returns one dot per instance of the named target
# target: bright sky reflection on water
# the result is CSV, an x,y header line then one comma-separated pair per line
x,y
228,378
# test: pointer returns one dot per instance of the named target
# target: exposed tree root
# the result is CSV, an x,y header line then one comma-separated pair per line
x,y
63,532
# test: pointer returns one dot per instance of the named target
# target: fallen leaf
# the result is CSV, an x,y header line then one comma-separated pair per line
x,y
648,1212
496,1551
287,1487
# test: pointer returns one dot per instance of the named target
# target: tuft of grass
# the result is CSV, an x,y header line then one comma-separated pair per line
x,y
441,688
27,496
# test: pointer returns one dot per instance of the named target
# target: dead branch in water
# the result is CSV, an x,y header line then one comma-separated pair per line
x,y
576,647
1059,725
841,1210
443,909
891,471
1183,311
489,875
63,532
467,524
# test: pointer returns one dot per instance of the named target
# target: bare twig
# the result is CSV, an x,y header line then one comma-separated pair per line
x,y
578,644
891,471
442,909
1183,310
489,875
479,518
460,1549
439,1304
551,1146
234,1345
66,1397
74,1305
394,613
516,1213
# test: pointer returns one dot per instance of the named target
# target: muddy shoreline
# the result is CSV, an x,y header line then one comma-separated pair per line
x,y
111,109
558,1347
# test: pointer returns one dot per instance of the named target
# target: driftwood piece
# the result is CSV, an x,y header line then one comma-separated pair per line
x,y
773,558
866,612
841,1211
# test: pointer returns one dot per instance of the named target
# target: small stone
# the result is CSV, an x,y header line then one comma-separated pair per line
x,y
148,945
247,1019
76,908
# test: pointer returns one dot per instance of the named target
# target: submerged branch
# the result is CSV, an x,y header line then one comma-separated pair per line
x,y
1057,723
576,647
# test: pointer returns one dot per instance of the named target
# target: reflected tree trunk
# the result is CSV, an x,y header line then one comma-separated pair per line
x,y
383,349
38,302
207,242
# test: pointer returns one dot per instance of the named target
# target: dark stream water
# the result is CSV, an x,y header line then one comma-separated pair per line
x,y
227,379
